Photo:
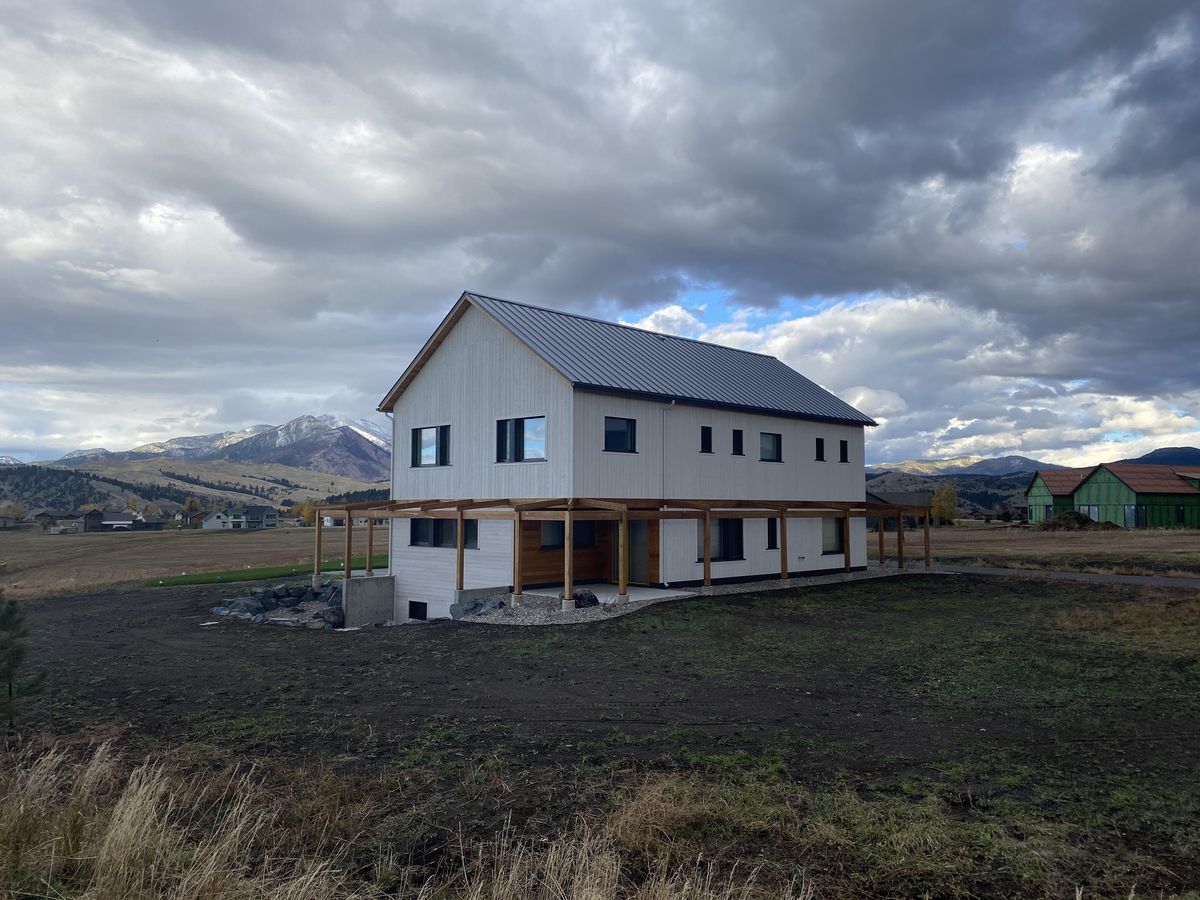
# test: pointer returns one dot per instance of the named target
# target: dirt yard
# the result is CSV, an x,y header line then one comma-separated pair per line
x,y
40,564
1044,734
1158,552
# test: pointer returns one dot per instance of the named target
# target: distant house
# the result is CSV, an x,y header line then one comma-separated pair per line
x,y
215,521
1136,495
125,520
1049,493
91,520
898,498
1132,495
8,521
193,519
252,518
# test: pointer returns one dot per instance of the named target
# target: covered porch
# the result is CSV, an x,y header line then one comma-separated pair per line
x,y
625,551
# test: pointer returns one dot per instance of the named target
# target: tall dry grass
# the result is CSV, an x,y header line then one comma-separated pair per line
x,y
96,829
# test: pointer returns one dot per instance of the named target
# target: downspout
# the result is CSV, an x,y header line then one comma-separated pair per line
x,y
663,484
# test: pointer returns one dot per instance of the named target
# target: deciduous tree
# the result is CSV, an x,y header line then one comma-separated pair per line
x,y
945,503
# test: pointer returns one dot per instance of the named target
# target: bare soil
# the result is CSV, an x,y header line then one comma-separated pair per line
x,y
1173,552
40,564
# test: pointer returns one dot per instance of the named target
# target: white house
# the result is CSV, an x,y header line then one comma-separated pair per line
x,y
217,521
659,460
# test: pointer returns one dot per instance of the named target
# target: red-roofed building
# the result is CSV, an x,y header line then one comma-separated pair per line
x,y
1049,493
1138,495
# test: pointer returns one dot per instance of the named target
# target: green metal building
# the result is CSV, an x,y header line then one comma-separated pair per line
x,y
1050,492
1135,495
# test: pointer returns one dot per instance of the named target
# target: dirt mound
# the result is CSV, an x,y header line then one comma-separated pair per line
x,y
1074,521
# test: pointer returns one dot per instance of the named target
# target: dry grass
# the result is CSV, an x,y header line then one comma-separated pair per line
x,y
42,564
1159,620
1174,552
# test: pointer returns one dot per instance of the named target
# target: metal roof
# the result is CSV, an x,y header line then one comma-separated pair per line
x,y
1147,478
608,357
1061,482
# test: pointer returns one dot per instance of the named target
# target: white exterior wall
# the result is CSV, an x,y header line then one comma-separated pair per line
x,y
427,573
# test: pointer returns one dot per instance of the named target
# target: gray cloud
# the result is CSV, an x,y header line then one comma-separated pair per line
x,y
216,213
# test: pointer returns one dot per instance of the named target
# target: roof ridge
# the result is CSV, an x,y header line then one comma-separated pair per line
x,y
658,334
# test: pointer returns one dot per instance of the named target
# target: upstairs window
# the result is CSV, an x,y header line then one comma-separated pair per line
x,y
820,449
706,439
770,447
737,443
844,451
521,440
431,446
725,540
442,533
620,435
831,537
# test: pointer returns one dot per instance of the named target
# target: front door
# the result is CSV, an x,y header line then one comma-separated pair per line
x,y
639,552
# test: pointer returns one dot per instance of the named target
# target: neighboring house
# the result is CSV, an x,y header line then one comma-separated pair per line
x,y
119,521
898,498
652,459
215,520
91,520
52,517
1132,495
8,521
253,517
1135,495
1049,492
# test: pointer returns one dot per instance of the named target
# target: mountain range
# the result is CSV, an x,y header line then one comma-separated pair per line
x,y
966,465
350,448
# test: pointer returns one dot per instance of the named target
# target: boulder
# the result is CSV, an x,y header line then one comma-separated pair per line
x,y
585,598
490,605
270,602
296,591
247,605
280,591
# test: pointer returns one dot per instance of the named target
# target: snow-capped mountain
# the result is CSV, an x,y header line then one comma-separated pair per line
x,y
10,461
354,448
375,432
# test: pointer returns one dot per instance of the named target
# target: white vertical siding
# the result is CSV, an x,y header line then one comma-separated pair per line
x,y
481,374
427,573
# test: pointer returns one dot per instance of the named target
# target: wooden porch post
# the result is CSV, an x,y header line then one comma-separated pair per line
x,y
846,538
370,543
316,576
707,548
900,540
879,531
623,559
459,548
517,554
349,543
783,551
927,554
568,601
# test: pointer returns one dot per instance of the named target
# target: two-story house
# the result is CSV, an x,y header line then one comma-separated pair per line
x,y
252,517
535,447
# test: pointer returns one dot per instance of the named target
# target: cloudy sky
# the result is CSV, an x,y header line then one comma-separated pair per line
x,y
979,222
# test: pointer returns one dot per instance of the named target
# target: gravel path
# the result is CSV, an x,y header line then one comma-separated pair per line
x,y
535,615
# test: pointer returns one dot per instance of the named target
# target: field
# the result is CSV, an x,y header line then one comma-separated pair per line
x,y
941,736
40,564
1174,552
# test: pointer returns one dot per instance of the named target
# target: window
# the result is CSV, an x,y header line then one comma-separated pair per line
x,y
442,533
431,446
620,435
1130,515
521,440
418,609
706,439
820,449
831,537
770,447
1179,515
844,451
725,540
1048,513
1092,511
772,534
737,442
583,535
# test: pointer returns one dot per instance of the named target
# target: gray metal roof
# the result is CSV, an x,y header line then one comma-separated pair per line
x,y
610,358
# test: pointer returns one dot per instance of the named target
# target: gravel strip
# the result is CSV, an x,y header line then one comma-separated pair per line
x,y
532,615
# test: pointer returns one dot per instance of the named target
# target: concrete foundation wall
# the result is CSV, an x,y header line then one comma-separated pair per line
x,y
369,600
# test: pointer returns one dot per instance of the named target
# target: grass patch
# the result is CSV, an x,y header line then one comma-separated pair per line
x,y
1160,620
261,573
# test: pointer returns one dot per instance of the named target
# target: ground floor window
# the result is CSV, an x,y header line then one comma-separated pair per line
x,y
1092,511
442,533
1180,515
831,536
772,534
418,609
725,540
583,535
